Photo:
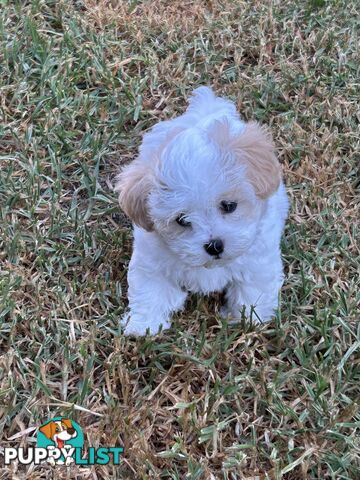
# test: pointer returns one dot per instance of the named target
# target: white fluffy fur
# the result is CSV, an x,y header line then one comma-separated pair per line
x,y
188,166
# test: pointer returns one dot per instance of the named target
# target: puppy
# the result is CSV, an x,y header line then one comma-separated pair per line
x,y
208,205
59,432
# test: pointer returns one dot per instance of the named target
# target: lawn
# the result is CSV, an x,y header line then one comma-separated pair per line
x,y
80,81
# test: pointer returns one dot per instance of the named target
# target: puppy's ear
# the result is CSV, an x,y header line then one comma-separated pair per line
x,y
67,422
134,184
254,148
48,430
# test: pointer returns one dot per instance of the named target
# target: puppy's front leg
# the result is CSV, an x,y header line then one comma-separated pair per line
x,y
258,302
151,301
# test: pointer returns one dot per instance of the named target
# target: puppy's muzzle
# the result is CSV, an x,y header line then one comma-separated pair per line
x,y
214,247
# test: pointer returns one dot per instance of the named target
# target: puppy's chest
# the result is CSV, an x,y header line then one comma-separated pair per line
x,y
203,280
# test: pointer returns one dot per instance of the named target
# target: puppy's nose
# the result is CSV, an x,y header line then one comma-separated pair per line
x,y
215,247
70,430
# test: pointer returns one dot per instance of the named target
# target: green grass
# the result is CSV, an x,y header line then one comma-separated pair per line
x,y
80,81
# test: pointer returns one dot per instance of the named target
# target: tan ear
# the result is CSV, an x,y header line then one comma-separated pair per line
x,y
134,184
48,430
254,147
67,422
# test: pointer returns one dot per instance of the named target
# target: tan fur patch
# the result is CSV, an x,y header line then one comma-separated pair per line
x,y
255,148
67,422
134,184
48,430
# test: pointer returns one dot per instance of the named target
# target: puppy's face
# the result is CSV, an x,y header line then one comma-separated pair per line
x,y
203,208
205,192
60,429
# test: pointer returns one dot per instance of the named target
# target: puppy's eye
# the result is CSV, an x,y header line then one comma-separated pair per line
x,y
181,220
228,207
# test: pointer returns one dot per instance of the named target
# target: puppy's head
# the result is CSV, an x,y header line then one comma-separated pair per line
x,y
60,429
204,191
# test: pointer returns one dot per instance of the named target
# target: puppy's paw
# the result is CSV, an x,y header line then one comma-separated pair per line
x,y
139,326
51,461
249,312
69,461
230,314
224,312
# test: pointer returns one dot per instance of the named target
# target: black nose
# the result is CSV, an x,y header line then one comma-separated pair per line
x,y
70,430
215,247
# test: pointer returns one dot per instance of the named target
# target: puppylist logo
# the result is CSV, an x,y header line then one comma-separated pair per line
x,y
60,441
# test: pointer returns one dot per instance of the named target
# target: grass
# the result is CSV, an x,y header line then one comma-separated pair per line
x,y
80,82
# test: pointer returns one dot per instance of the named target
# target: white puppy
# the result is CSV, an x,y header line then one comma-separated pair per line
x,y
209,206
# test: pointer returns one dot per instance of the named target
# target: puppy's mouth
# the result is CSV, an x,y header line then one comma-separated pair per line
x,y
216,262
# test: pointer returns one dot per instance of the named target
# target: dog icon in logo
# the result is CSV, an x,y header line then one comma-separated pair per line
x,y
58,433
